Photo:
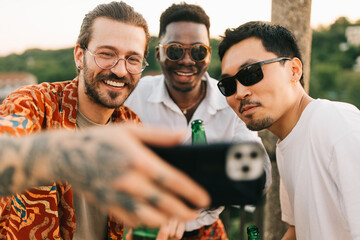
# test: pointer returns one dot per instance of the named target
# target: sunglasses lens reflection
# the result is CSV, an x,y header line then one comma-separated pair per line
x,y
250,75
247,76
227,86
198,52
174,52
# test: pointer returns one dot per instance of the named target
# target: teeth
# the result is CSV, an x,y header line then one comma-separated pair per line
x,y
114,84
184,74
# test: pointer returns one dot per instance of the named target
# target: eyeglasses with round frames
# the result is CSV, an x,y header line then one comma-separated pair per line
x,y
107,59
176,51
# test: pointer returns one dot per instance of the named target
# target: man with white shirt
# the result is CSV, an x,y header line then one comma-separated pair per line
x,y
318,148
185,92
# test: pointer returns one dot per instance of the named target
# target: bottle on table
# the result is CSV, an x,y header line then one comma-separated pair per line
x,y
253,232
198,132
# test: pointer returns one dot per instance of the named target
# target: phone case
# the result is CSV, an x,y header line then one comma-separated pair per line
x,y
232,173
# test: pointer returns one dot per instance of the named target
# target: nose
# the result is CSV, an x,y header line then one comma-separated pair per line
x,y
187,60
120,68
242,91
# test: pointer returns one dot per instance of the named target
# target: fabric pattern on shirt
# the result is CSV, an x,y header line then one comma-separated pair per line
x,y
45,212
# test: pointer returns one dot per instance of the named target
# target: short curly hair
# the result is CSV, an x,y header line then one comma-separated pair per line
x,y
183,12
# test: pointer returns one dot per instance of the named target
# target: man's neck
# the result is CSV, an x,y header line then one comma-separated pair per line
x,y
288,121
188,102
185,99
93,111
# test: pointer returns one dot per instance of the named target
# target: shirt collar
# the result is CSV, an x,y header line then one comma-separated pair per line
x,y
213,100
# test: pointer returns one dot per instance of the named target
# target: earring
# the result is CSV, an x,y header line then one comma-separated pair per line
x,y
79,68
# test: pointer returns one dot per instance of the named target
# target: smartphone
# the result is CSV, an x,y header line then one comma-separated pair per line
x,y
232,173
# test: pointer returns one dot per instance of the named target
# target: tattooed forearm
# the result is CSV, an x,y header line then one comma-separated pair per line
x,y
6,180
89,162
11,167
92,167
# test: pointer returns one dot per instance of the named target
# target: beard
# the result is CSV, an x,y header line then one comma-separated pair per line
x,y
255,124
109,99
182,90
260,124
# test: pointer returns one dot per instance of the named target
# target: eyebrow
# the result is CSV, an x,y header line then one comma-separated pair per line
x,y
247,63
116,50
187,44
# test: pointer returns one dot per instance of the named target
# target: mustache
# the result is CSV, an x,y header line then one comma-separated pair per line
x,y
248,102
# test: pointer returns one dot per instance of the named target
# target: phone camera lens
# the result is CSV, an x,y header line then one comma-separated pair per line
x,y
245,169
238,155
253,154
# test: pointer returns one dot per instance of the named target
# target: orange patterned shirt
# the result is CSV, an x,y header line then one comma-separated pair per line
x,y
45,212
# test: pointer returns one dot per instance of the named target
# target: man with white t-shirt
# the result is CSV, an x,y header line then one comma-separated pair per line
x,y
319,140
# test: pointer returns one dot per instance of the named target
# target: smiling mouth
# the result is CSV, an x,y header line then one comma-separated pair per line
x,y
185,73
114,83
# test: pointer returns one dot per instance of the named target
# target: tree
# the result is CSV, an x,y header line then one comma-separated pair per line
x,y
295,15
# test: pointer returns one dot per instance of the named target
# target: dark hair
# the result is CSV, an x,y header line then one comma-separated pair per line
x,y
275,38
119,11
183,12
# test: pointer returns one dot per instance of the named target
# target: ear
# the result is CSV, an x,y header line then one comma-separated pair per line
x,y
78,56
157,53
296,68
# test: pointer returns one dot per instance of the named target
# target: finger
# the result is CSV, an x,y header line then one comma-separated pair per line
x,y
144,215
180,230
152,165
122,215
157,135
129,235
141,189
172,227
163,233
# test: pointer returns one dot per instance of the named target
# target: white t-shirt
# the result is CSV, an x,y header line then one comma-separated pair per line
x,y
319,165
152,103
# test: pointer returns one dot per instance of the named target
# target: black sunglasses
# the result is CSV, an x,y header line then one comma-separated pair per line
x,y
176,51
247,76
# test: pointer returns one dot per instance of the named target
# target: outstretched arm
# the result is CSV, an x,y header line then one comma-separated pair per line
x,y
111,166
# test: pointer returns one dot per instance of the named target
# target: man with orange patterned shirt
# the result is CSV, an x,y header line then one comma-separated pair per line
x,y
110,56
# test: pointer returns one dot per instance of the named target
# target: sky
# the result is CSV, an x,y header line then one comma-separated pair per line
x,y
53,24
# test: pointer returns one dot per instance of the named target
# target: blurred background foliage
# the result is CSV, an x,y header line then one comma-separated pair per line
x,y
333,75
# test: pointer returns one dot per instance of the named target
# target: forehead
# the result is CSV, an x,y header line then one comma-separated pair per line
x,y
186,33
243,53
121,36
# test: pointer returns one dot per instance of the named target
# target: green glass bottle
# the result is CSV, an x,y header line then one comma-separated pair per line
x,y
253,232
144,233
198,132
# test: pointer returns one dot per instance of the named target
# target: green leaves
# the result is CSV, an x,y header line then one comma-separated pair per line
x,y
332,75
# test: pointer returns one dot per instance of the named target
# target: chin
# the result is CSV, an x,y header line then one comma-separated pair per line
x,y
260,124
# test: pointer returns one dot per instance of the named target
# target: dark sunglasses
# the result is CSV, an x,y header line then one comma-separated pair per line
x,y
247,76
176,51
